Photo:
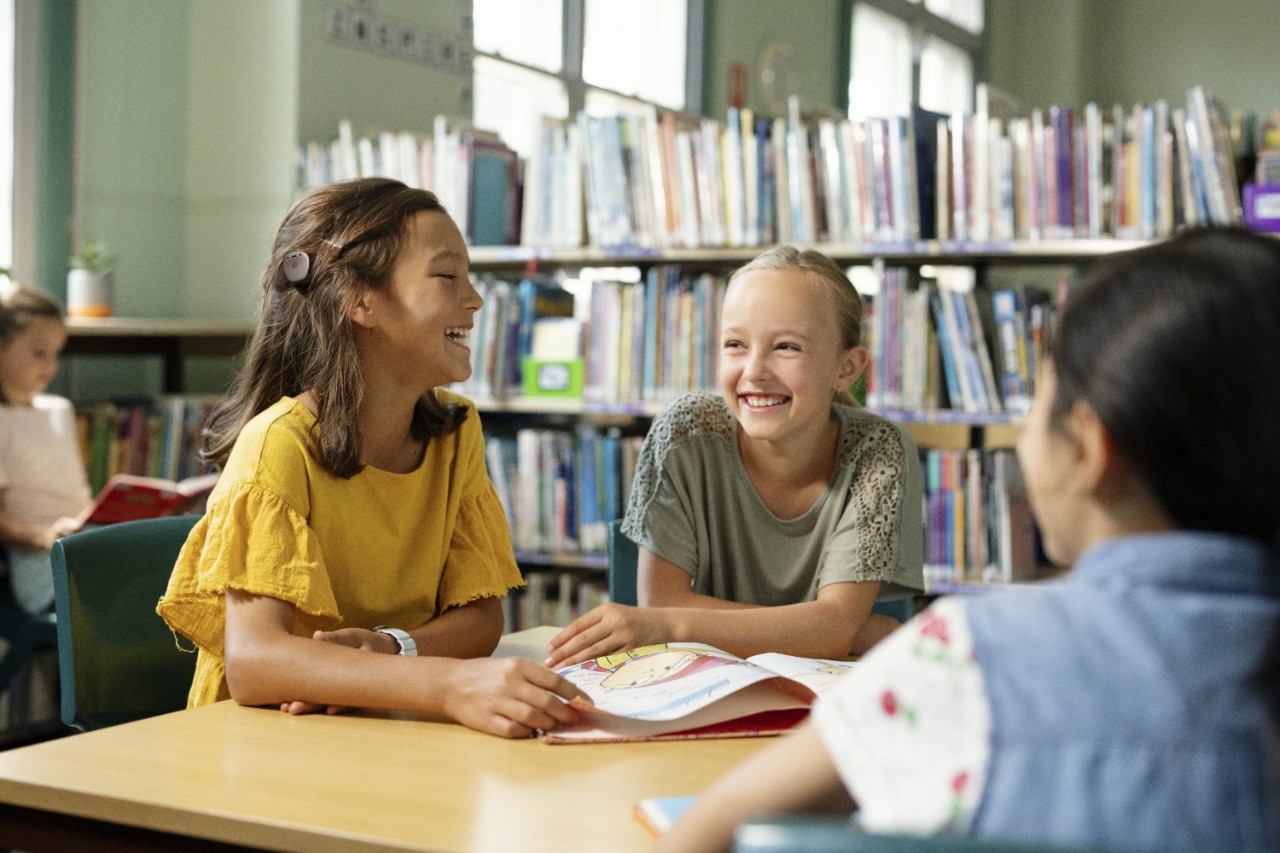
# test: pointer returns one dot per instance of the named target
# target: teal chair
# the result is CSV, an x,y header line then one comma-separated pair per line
x,y
117,659
624,556
26,633
811,834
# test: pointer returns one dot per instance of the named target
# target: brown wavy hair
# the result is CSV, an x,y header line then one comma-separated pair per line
x,y
352,232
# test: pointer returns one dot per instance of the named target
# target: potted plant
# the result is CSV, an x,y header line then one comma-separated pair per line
x,y
91,282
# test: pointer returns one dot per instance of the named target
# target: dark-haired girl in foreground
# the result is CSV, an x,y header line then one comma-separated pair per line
x,y
1132,701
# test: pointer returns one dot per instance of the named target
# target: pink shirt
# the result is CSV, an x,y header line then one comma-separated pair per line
x,y
42,476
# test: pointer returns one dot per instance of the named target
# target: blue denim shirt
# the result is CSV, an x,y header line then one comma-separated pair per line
x,y
1120,699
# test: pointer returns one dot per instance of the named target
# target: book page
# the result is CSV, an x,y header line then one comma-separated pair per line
x,y
667,681
740,712
818,674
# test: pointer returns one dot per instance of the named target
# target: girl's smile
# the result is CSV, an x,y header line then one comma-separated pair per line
x,y
459,336
761,402
781,361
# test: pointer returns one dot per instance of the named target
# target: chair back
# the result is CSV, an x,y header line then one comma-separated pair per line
x,y
118,660
624,557
902,609
814,834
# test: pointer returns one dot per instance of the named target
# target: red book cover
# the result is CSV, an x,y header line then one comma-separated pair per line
x,y
127,497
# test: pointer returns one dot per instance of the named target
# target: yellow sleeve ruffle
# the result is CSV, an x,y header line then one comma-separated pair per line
x,y
480,562
250,540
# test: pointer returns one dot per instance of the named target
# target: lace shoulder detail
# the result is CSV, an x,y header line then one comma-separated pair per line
x,y
688,416
874,447
691,416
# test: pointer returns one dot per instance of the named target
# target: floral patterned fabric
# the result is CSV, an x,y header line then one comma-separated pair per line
x,y
910,730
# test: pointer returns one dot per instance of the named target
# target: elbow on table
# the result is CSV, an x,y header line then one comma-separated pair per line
x,y
247,678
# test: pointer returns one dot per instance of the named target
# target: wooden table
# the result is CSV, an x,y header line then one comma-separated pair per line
x,y
255,777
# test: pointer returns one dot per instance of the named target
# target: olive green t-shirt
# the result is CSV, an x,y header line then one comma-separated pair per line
x,y
692,503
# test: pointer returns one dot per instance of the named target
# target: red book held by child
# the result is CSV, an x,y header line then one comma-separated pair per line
x,y
129,497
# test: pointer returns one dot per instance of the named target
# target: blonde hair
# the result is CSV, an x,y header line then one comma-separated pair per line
x,y
826,273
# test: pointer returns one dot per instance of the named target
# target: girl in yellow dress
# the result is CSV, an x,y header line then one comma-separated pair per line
x,y
354,551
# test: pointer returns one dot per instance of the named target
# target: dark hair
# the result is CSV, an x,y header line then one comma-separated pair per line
x,y
1175,347
825,272
352,232
19,308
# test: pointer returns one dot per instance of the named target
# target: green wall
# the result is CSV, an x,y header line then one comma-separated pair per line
x,y
241,131
1131,51
130,151
336,81
739,29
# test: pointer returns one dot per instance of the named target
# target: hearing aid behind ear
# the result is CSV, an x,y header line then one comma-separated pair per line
x,y
296,266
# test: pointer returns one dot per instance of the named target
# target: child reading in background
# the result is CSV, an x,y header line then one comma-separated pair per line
x,y
770,517
1121,704
353,490
43,484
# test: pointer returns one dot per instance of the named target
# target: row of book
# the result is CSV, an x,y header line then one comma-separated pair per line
x,y
476,176
937,344
943,344
642,341
154,438
653,180
560,488
1138,173
977,519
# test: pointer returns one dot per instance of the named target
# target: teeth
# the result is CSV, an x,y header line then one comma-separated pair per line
x,y
459,336
761,402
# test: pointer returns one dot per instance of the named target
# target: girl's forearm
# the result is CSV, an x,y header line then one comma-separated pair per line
x,y
802,778
288,668
471,630
811,629
15,531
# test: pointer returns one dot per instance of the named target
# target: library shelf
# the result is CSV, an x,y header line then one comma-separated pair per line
x,y
173,340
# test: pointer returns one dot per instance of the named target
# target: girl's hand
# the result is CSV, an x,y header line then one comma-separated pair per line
x,y
42,539
509,697
356,638
65,527
606,630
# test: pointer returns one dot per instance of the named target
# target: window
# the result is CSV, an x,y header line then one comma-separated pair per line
x,y
946,77
880,79
905,52
8,86
556,58
619,49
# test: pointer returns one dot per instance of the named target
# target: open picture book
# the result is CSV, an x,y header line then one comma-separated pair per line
x,y
128,497
692,690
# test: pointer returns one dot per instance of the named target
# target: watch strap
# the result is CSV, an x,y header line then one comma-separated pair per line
x,y
408,648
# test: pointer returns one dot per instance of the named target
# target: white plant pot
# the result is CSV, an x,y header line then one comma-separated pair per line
x,y
90,294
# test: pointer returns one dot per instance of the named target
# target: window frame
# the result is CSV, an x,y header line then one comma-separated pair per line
x,y
923,24
570,74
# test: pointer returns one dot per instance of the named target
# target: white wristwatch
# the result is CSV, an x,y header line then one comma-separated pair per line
x,y
408,648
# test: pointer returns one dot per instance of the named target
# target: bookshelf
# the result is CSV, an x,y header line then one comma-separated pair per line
x,y
961,440
686,199
173,341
